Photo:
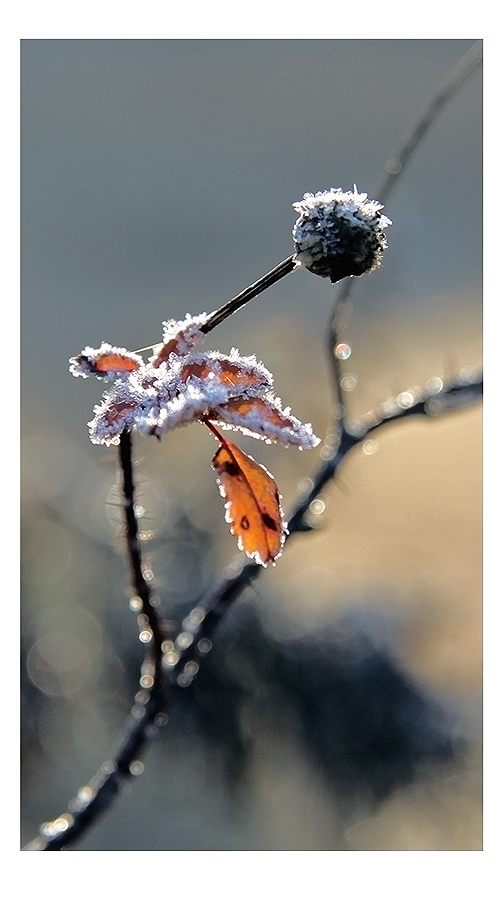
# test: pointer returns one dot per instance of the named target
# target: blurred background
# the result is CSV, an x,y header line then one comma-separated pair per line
x,y
340,708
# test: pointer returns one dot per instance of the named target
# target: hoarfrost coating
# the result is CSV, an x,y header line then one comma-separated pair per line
x,y
339,233
178,386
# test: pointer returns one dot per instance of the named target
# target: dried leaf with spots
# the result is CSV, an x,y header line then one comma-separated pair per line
x,y
253,508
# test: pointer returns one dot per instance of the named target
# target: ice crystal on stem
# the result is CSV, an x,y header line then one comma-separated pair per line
x,y
339,233
178,386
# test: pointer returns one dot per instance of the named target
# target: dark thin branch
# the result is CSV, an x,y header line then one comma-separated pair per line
x,y
409,403
141,586
262,284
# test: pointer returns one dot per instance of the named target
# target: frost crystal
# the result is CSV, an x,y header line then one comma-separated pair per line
x,y
339,233
177,387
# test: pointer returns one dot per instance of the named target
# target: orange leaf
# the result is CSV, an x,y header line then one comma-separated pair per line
x,y
226,371
115,362
107,361
164,351
263,417
253,505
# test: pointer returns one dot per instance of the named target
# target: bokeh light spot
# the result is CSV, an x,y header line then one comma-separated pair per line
x,y
434,385
348,382
343,351
370,447
405,399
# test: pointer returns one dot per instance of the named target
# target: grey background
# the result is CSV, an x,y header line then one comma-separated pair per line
x,y
157,179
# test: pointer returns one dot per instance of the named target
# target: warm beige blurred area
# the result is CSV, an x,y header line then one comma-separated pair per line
x,y
341,706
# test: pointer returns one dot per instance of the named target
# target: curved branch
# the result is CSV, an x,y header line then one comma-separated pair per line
x,y
149,618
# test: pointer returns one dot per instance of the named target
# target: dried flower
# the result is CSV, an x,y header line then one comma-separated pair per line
x,y
339,233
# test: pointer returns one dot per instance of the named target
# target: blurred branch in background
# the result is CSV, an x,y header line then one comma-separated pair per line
x,y
394,169
173,663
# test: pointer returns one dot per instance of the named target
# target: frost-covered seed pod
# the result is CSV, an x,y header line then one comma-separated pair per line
x,y
339,233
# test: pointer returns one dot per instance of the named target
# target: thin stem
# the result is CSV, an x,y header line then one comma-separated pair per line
x,y
141,586
262,284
